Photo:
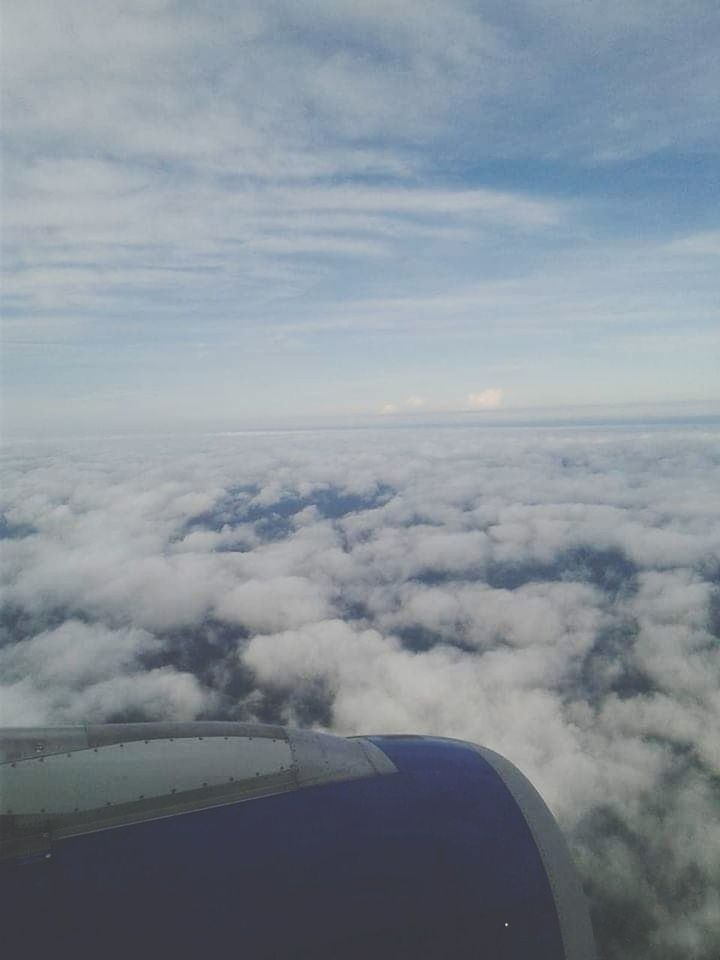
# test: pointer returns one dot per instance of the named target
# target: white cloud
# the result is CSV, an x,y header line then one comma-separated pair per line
x,y
706,242
488,399
552,595
85,672
155,178
273,604
75,654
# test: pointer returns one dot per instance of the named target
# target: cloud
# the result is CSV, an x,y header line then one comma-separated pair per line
x,y
277,603
162,173
409,404
81,672
705,243
553,595
363,71
489,399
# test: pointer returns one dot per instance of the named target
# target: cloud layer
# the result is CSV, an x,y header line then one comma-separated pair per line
x,y
554,596
280,210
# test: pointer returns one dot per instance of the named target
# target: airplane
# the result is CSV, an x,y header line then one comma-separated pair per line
x,y
212,839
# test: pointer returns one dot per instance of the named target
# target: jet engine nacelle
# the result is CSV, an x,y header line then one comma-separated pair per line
x,y
230,839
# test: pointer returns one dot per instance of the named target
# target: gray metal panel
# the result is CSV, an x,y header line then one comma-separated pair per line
x,y
84,780
65,781
20,835
322,758
379,761
19,742
101,734
570,903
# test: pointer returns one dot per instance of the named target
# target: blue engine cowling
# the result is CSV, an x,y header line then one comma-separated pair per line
x,y
439,850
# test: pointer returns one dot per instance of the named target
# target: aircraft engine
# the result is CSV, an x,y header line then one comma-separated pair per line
x,y
230,839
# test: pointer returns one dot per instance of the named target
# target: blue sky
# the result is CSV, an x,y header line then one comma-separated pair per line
x,y
252,212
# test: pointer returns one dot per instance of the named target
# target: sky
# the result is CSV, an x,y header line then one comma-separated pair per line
x,y
429,220
553,594
254,212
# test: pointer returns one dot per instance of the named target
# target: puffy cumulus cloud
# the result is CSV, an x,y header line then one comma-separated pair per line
x,y
488,399
81,671
561,615
74,654
275,603
553,595
376,680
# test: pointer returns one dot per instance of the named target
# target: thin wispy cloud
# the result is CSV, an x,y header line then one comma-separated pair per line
x,y
260,180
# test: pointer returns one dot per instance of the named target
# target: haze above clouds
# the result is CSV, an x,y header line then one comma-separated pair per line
x,y
552,595
242,210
